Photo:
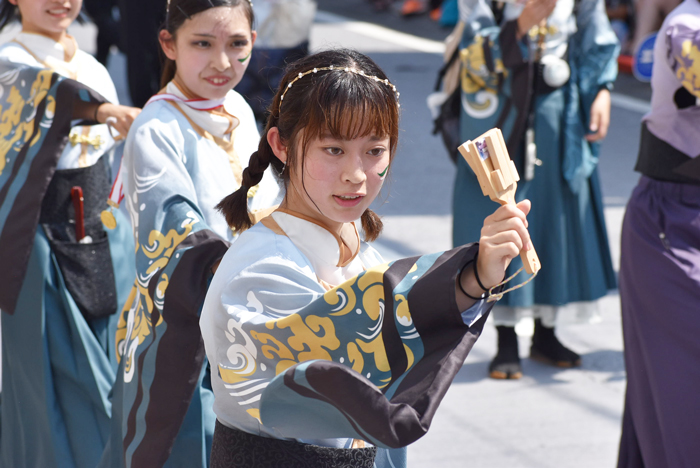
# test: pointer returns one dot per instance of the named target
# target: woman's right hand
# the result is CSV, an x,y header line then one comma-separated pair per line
x,y
503,236
118,117
533,13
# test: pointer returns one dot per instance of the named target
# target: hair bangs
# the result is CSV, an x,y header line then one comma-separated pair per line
x,y
352,107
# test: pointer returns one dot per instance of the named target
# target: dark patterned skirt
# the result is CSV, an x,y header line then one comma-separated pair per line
x,y
232,448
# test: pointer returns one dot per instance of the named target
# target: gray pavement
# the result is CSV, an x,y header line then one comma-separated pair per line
x,y
551,417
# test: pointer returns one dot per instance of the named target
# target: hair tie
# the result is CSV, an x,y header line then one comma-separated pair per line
x,y
459,281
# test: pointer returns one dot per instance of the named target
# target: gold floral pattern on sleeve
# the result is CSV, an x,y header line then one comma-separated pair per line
x,y
136,320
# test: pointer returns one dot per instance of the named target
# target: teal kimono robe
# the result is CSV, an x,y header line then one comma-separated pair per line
x,y
176,173
498,79
58,296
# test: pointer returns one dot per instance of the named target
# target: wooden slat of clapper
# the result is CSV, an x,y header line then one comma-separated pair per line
x,y
498,178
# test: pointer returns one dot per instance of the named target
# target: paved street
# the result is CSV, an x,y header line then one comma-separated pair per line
x,y
549,418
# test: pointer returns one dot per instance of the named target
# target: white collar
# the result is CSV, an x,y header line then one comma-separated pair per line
x,y
321,247
50,53
216,124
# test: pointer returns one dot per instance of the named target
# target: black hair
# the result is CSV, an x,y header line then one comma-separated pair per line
x,y
180,11
345,104
8,13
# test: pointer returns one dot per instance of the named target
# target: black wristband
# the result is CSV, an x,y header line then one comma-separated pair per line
x,y
95,116
459,281
476,275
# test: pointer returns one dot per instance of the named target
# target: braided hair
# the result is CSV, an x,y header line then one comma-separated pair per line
x,y
345,105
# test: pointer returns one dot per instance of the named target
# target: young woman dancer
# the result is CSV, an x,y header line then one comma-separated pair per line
x,y
64,276
187,151
320,351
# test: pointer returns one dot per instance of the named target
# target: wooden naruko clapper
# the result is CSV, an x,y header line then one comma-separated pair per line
x,y
488,157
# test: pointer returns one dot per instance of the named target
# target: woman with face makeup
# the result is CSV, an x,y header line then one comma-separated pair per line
x,y
187,151
322,354
64,275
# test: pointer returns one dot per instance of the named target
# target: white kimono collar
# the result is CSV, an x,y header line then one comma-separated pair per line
x,y
220,124
321,247
50,53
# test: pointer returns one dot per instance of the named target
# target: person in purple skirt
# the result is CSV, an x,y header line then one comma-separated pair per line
x,y
660,262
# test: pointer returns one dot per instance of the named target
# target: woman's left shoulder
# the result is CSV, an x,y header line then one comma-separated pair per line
x,y
93,74
89,62
370,256
13,52
238,106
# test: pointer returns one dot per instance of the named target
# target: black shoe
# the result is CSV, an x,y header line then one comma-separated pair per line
x,y
506,364
547,349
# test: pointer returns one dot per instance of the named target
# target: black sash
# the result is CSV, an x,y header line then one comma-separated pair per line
x,y
232,448
86,267
661,161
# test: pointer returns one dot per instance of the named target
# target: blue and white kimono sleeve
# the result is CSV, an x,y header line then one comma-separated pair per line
x,y
162,404
370,359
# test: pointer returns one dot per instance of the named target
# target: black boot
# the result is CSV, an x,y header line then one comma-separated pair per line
x,y
506,364
546,348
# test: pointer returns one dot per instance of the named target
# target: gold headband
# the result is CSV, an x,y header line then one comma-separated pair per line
x,y
346,69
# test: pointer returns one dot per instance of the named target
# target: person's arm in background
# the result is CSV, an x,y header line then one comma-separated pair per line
x,y
123,116
595,54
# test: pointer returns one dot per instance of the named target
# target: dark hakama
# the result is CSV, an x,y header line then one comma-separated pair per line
x,y
660,291
660,264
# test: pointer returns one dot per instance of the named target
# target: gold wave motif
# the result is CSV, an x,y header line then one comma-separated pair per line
x,y
479,84
135,321
688,71
475,75
294,339
10,117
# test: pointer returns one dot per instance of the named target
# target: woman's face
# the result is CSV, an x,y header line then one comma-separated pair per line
x,y
341,178
50,18
211,50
